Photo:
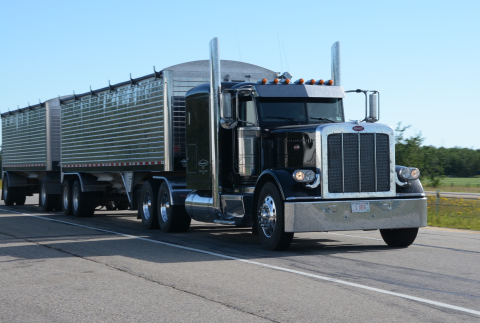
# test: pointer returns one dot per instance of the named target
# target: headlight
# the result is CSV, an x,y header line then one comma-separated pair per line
x,y
304,176
409,173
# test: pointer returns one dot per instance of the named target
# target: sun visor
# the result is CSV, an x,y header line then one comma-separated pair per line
x,y
297,90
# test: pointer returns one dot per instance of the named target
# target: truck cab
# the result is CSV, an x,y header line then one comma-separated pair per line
x,y
278,155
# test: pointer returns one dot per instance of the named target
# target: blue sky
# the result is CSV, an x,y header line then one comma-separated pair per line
x,y
423,56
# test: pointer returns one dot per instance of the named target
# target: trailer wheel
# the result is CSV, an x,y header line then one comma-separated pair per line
x,y
47,201
270,217
67,196
8,193
20,195
172,218
148,205
83,204
399,238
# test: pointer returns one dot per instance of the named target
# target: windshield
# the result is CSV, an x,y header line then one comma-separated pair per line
x,y
286,111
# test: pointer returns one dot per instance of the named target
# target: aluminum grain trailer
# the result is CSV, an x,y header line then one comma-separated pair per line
x,y
31,154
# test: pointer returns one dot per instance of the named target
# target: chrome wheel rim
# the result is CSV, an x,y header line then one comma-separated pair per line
x,y
164,207
267,216
75,194
44,194
65,196
147,204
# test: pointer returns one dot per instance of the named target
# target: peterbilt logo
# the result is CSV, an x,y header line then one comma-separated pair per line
x,y
203,163
358,128
296,147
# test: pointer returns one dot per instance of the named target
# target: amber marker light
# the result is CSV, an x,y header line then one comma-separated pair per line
x,y
300,81
330,82
321,82
275,81
262,81
311,82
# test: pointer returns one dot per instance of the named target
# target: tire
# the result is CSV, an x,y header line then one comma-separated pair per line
x,y
83,204
9,193
270,219
20,195
148,205
67,196
171,218
399,238
47,201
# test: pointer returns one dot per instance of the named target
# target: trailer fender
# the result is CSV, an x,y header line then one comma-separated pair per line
x,y
88,182
177,185
15,180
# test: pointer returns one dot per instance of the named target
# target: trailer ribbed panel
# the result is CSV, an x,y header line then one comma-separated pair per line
x,y
121,126
24,139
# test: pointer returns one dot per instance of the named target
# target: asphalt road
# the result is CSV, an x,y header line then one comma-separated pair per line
x,y
56,268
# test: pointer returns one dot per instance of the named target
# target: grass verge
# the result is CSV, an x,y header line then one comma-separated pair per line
x,y
454,213
457,184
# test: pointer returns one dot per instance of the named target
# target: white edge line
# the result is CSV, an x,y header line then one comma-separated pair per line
x,y
333,280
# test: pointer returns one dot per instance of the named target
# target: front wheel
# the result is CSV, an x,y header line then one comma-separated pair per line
x,y
399,238
271,220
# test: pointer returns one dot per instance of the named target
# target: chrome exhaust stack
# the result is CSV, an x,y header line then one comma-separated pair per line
x,y
336,76
215,90
198,205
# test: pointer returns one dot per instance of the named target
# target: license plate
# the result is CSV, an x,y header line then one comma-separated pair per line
x,y
360,207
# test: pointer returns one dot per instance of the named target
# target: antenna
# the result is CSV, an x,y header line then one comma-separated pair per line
x,y
285,53
280,51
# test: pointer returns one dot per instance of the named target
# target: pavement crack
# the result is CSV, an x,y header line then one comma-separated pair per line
x,y
142,277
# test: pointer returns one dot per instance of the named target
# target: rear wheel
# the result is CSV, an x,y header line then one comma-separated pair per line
x,y
67,196
83,203
8,193
20,195
270,219
148,205
399,238
171,218
47,201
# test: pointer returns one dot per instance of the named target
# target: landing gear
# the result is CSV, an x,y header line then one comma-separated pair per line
x,y
270,219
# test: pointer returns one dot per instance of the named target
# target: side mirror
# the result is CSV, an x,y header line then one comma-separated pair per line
x,y
226,111
374,107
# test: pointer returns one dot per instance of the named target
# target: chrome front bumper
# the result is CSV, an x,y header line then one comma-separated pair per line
x,y
338,215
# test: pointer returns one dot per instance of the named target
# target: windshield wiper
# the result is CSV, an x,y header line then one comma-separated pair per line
x,y
323,119
283,118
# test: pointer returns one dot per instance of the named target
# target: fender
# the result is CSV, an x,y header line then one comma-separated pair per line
x,y
289,188
88,183
414,186
177,187
15,180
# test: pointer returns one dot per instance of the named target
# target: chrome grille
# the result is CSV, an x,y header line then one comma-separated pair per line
x,y
358,162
